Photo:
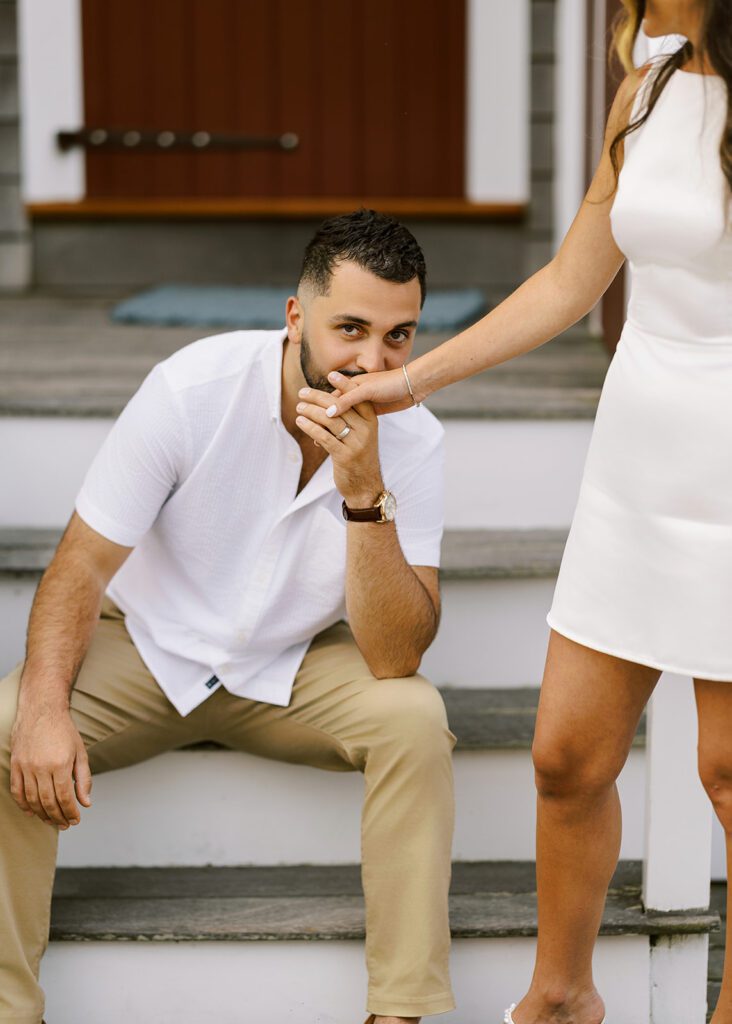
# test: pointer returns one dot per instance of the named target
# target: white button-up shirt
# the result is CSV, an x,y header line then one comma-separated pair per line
x,y
233,572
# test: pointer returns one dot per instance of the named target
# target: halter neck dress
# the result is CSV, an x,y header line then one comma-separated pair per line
x,y
647,570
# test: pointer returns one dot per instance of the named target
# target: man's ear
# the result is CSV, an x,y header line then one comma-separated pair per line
x,y
295,319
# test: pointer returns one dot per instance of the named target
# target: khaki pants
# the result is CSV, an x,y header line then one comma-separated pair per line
x,y
340,718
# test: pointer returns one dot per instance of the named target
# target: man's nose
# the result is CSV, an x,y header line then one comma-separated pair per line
x,y
371,358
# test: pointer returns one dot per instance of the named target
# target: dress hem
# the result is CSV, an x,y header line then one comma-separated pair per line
x,y
638,659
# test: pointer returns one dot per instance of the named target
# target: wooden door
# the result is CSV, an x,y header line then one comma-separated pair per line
x,y
373,89
615,298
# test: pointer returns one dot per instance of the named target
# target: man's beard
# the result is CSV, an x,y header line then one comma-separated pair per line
x,y
316,378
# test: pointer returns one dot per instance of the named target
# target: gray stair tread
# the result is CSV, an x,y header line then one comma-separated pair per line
x,y
489,718
26,549
486,719
246,904
502,554
492,718
466,554
498,719
718,903
61,355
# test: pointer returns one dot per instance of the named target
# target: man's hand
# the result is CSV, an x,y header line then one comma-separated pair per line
x,y
352,441
49,767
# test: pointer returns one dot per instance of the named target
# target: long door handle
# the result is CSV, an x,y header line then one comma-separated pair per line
x,y
132,139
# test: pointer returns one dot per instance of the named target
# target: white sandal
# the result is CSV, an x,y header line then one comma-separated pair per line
x,y
508,1016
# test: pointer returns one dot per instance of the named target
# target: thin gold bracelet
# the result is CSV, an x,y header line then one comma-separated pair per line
x,y
409,386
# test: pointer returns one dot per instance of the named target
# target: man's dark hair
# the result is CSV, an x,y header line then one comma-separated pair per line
x,y
373,240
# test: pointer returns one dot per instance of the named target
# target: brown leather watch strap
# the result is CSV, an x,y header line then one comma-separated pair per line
x,y
362,515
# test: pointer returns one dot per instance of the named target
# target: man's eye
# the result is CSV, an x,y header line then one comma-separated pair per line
x,y
350,329
399,336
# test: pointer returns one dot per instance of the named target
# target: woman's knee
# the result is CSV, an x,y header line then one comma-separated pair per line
x,y
716,777
568,768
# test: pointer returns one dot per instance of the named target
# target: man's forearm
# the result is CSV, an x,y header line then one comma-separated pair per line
x,y
62,621
391,613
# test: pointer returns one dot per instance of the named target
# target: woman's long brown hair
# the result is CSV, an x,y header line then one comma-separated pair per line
x,y
715,46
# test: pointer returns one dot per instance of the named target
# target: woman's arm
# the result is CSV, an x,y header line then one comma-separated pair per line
x,y
549,302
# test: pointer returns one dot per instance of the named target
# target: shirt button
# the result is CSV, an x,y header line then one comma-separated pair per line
x,y
293,458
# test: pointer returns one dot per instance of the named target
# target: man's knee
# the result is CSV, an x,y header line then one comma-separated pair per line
x,y
9,687
410,713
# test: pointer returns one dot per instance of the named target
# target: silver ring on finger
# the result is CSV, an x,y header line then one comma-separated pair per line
x,y
344,433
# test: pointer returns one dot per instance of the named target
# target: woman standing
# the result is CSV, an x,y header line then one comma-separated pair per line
x,y
646,580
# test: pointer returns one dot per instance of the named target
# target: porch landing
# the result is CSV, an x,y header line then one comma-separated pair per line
x,y
62,355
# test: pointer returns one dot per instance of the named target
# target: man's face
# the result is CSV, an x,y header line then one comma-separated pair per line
x,y
363,325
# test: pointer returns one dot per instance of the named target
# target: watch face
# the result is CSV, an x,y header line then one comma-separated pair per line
x,y
389,507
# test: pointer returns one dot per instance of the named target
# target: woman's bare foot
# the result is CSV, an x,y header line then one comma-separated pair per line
x,y
397,1020
585,1008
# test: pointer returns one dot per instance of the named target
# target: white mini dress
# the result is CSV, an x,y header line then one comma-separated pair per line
x,y
647,571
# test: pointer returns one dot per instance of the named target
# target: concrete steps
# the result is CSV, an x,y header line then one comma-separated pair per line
x,y
171,928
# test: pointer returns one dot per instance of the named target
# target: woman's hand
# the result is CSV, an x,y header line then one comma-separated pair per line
x,y
387,391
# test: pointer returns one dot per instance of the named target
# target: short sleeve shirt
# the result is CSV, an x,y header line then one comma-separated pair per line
x,y
233,572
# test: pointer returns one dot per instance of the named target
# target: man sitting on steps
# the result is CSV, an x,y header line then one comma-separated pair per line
x,y
240,568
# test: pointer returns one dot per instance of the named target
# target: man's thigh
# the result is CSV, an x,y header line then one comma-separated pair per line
x,y
120,711
337,708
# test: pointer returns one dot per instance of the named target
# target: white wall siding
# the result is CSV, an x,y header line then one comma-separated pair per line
x,y
51,98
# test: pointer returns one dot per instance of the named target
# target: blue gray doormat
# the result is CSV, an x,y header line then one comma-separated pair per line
x,y
191,305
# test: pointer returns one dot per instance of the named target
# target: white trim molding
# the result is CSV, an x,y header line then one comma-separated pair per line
x,y
51,99
678,812
570,125
497,131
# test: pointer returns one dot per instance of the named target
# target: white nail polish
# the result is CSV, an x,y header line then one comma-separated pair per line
x,y
331,411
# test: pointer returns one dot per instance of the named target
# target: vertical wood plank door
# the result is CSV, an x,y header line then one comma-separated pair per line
x,y
615,298
374,90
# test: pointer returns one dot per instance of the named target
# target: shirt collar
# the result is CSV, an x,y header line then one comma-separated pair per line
x,y
271,360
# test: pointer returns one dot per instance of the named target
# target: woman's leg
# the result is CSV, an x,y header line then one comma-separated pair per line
x,y
588,712
714,704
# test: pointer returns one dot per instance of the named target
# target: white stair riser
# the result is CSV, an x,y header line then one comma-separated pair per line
x,y
514,474
301,982
719,851
207,807
517,474
42,465
493,632
16,596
